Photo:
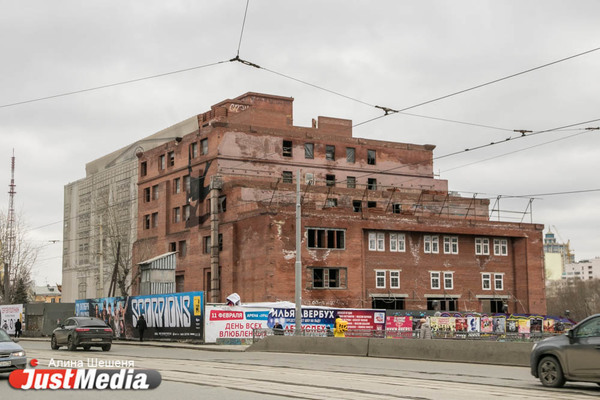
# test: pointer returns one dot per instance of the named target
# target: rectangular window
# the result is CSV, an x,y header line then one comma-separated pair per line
x,y
372,184
431,244
186,212
147,221
350,155
371,204
287,148
155,220
486,282
309,150
207,244
499,281
222,203
396,208
500,247
330,180
435,280
194,150
147,195
143,168
380,279
380,241
331,203
173,246
376,241
155,192
323,238
351,182
186,183
161,162
204,147
171,158
356,205
176,185
448,280
482,246
287,177
394,279
309,178
330,152
329,278
182,248
450,244
371,157
176,215
397,242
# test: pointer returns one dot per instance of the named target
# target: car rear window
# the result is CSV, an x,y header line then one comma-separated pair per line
x,y
92,322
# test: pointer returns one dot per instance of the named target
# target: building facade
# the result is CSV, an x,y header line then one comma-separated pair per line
x,y
100,219
378,230
556,256
584,270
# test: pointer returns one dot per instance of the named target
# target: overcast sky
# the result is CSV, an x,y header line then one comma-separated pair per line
x,y
394,54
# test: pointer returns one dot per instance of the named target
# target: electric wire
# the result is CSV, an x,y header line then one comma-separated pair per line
x,y
243,25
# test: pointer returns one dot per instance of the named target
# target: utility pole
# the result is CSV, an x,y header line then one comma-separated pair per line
x,y
101,272
216,184
10,227
298,295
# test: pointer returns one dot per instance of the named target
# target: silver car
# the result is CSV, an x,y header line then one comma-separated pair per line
x,y
12,355
574,356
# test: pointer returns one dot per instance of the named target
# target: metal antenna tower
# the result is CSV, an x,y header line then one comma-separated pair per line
x,y
10,231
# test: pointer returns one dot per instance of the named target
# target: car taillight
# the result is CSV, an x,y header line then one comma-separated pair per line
x,y
82,329
107,330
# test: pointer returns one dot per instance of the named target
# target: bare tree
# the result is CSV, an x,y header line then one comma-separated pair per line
x,y
20,256
580,298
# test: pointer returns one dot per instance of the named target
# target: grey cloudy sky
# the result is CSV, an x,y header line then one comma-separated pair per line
x,y
389,53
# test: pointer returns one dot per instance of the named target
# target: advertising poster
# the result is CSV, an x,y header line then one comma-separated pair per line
x,y
535,325
473,324
176,315
487,324
313,319
499,325
512,326
549,326
362,322
524,325
461,324
9,315
399,326
443,324
233,322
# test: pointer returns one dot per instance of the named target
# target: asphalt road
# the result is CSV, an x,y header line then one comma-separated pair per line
x,y
195,372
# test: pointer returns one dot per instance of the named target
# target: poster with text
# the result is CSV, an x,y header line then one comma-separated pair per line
x,y
233,322
9,315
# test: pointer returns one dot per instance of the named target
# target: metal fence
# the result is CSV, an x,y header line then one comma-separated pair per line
x,y
258,334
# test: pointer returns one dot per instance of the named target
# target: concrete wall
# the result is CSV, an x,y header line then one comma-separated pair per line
x,y
468,351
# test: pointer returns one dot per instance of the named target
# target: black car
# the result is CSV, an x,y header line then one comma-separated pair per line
x,y
82,332
574,356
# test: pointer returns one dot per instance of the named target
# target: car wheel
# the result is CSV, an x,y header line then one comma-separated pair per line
x,y
53,344
71,344
550,372
106,347
86,347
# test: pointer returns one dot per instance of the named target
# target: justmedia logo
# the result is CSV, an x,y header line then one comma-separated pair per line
x,y
91,379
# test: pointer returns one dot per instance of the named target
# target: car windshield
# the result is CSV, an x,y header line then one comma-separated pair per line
x,y
92,322
4,336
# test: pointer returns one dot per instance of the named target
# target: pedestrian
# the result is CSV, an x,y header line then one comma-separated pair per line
x,y
18,327
425,332
277,329
329,332
141,327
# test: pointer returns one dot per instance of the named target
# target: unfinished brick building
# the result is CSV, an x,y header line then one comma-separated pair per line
x,y
377,229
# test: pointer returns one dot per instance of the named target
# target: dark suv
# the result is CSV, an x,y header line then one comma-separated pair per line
x,y
82,332
574,356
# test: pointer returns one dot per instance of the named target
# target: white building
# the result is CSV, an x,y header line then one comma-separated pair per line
x,y
585,269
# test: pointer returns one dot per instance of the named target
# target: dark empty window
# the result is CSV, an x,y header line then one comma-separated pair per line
x,y
144,168
396,208
371,204
207,244
388,303
173,246
171,158
372,184
330,152
309,150
287,148
204,146
442,304
356,205
350,155
330,180
321,238
147,194
324,278
371,157
288,177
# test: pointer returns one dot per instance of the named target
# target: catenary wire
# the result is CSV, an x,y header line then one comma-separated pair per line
x,y
243,25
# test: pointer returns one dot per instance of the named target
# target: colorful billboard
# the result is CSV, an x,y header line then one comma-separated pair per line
x,y
9,315
168,316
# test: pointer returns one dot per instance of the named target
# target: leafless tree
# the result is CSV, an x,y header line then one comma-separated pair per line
x,y
20,256
580,297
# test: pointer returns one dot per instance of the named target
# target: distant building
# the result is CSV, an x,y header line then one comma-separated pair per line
x,y
556,256
47,294
584,270
100,211
377,229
